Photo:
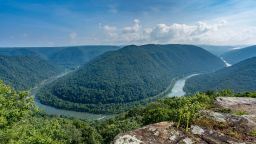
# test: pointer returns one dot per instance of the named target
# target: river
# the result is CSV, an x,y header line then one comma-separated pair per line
x,y
178,87
226,63
61,112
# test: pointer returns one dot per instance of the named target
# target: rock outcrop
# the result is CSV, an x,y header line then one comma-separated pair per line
x,y
242,104
210,127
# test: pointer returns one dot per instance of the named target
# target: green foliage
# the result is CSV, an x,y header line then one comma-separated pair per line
x,y
70,57
65,57
13,105
117,79
20,123
182,110
253,133
246,94
110,128
238,78
23,72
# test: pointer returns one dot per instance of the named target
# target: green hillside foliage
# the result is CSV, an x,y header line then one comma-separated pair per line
x,y
74,56
23,72
22,123
124,77
240,77
238,55
66,57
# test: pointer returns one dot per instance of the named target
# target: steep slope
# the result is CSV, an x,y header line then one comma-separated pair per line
x,y
238,55
23,72
67,57
130,74
239,77
217,50
16,52
74,56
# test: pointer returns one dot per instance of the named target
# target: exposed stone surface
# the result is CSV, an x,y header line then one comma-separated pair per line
x,y
209,128
243,104
128,139
169,134
197,130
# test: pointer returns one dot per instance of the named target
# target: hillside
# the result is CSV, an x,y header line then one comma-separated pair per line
x,y
239,78
116,79
74,56
23,72
16,52
204,116
238,55
66,57
217,50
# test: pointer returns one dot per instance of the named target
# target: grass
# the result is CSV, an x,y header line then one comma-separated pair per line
x,y
253,133
239,113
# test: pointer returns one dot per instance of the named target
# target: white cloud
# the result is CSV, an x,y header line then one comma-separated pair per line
x,y
162,33
183,33
110,30
134,28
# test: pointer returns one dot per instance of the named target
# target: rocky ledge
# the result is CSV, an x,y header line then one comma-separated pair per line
x,y
234,122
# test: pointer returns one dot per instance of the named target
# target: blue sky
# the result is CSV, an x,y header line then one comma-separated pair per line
x,y
119,22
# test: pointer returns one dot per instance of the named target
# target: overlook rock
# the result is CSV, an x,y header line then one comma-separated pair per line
x,y
210,127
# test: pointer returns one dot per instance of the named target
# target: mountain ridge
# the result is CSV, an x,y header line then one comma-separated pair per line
x,y
238,55
23,72
239,78
128,75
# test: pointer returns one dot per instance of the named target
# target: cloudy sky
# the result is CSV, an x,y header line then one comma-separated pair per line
x,y
120,22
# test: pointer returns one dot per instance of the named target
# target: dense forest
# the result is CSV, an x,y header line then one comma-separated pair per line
x,y
21,122
75,56
217,50
66,57
23,72
240,77
126,76
238,55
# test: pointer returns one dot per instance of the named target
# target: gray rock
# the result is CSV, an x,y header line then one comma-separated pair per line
x,y
209,131
197,130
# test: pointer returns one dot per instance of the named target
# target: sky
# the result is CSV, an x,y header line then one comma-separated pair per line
x,y
122,22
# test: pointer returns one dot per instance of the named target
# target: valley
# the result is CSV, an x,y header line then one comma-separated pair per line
x,y
127,72
62,112
119,80
239,77
129,67
177,89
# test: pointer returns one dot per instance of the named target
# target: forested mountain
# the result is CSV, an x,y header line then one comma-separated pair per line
x,y
240,54
240,77
23,72
67,57
16,52
22,123
217,50
74,56
128,75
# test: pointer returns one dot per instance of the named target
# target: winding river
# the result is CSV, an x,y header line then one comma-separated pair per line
x,y
178,87
61,112
226,63
177,90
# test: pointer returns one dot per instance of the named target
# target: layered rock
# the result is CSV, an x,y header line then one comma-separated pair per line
x,y
210,127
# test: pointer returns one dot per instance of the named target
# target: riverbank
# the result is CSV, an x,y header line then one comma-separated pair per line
x,y
177,89
61,112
